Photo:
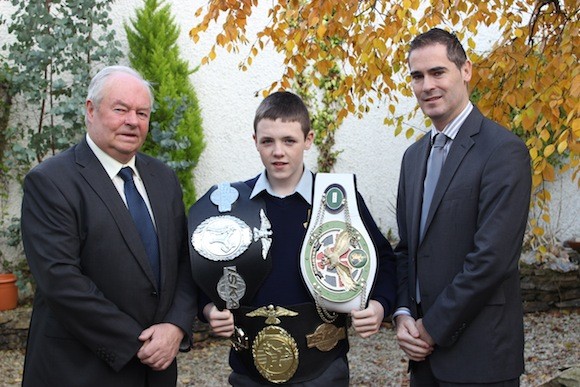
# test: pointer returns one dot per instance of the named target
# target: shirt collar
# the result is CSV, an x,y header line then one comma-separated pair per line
x,y
453,127
303,188
112,166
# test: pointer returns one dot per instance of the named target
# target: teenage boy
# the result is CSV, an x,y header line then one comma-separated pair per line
x,y
269,311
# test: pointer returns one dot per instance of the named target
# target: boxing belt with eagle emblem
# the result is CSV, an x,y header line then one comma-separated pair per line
x,y
288,344
338,260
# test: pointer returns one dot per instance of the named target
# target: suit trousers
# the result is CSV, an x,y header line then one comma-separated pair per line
x,y
422,376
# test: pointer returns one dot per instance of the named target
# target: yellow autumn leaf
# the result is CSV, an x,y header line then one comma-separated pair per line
x,y
548,173
471,43
562,147
576,127
549,150
321,31
379,44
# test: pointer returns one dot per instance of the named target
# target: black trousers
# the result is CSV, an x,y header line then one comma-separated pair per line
x,y
336,375
422,376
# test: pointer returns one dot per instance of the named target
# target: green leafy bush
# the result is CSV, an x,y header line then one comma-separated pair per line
x,y
176,133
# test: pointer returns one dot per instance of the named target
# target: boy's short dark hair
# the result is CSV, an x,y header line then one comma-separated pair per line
x,y
455,51
285,106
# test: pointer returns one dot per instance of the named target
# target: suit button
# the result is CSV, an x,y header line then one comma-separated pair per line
x,y
154,293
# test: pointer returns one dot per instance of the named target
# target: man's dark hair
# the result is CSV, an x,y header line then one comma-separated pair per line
x,y
285,106
455,51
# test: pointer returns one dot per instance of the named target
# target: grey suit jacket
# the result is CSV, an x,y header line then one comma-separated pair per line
x,y
467,262
95,289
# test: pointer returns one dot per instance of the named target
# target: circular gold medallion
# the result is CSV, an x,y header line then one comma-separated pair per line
x,y
275,354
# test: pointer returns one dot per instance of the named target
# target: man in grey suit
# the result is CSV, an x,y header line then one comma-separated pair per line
x,y
460,315
108,310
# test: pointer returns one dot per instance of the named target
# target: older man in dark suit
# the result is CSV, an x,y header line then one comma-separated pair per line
x,y
104,232
459,316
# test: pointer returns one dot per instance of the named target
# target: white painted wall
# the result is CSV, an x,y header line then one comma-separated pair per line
x,y
228,102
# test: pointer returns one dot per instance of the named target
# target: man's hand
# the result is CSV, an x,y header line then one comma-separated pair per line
x,y
221,322
409,339
160,345
423,334
367,322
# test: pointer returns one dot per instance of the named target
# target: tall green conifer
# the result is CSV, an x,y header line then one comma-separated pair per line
x,y
176,133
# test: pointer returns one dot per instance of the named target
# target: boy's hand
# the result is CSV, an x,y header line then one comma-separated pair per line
x,y
367,322
221,322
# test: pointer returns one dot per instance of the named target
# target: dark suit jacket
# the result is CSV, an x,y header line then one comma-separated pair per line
x,y
467,263
95,288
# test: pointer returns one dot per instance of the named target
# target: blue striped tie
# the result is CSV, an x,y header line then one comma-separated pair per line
x,y
142,219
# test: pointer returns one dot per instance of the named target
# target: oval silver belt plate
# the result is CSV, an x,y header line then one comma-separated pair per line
x,y
221,238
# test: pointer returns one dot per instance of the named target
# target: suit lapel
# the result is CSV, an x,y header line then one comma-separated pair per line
x,y
96,176
459,148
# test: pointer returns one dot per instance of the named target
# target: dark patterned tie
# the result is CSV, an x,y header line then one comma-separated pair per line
x,y
434,165
142,219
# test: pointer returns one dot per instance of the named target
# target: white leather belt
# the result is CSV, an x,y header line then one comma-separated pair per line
x,y
338,259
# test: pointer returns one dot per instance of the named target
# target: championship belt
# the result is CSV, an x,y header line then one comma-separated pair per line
x,y
287,344
338,260
230,239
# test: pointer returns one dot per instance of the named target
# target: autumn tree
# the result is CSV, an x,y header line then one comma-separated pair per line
x,y
529,81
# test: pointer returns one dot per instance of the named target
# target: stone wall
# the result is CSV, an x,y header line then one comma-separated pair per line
x,y
544,289
14,327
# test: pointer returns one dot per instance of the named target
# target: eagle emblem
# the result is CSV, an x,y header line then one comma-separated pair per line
x,y
272,313
264,234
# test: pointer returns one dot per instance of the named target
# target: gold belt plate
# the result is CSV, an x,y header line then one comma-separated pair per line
x,y
325,337
275,354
